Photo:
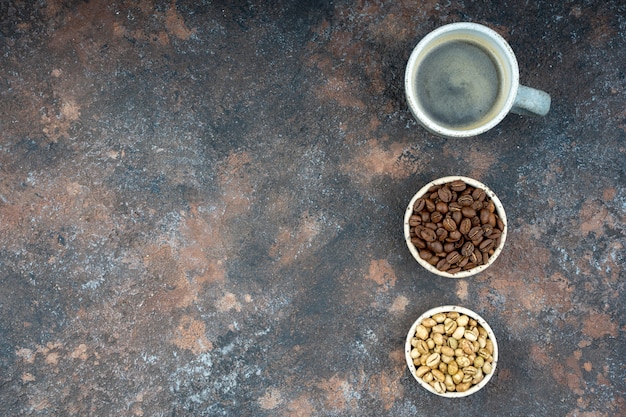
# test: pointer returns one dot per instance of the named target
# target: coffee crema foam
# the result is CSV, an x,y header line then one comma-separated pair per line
x,y
457,84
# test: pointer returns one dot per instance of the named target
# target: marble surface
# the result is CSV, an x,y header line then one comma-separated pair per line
x,y
201,208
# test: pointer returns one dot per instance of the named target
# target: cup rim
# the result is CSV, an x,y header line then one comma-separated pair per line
x,y
444,309
499,210
436,128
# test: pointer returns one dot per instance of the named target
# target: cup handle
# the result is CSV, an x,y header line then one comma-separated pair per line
x,y
531,102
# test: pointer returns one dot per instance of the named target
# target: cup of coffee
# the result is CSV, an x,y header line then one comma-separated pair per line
x,y
462,79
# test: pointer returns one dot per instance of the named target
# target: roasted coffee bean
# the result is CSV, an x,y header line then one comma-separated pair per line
x,y
467,249
435,246
457,216
453,257
425,254
465,200
443,265
474,234
454,236
429,205
485,258
418,205
445,194
495,235
418,243
428,235
448,223
486,245
479,194
492,220
465,226
448,247
487,229
436,217
484,216
414,220
458,185
468,212
477,205
441,207
454,206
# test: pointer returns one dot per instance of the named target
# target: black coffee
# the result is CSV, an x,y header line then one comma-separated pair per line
x,y
457,84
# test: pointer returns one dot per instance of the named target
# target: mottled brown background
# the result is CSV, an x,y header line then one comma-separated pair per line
x,y
201,209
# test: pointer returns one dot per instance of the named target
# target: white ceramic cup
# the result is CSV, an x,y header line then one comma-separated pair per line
x,y
511,96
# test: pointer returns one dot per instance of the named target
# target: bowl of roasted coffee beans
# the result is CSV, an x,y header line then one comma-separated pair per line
x,y
455,227
451,351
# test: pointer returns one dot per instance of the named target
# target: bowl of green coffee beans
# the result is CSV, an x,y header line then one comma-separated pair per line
x,y
451,351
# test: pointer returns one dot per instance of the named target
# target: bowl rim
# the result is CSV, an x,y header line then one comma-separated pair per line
x,y
474,183
445,309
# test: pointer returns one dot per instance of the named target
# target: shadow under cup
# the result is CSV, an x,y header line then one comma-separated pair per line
x,y
461,80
